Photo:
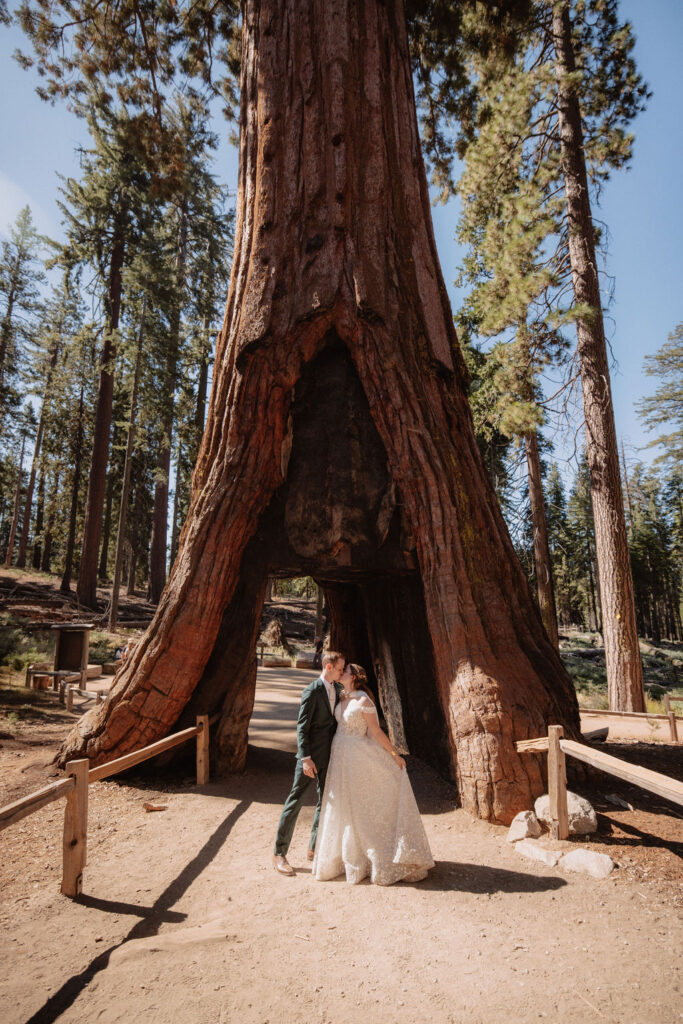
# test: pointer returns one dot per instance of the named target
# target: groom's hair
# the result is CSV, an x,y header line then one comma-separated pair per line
x,y
330,657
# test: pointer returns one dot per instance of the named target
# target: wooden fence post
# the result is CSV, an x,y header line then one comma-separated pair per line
x,y
75,845
557,784
70,697
671,715
203,750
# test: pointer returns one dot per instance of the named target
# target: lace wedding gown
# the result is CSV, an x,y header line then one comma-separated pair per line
x,y
369,822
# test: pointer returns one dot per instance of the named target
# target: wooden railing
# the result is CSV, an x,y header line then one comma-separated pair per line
x,y
669,715
557,748
75,789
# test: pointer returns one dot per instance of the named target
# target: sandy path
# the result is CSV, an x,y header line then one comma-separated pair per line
x,y
185,921
647,730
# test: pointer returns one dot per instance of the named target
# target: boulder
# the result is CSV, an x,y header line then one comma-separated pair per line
x,y
582,817
598,865
524,826
534,851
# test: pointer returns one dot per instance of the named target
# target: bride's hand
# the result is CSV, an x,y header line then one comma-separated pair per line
x,y
399,761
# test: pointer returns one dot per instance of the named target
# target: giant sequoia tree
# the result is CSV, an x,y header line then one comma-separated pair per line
x,y
339,441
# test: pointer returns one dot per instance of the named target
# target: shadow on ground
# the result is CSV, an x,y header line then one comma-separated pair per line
x,y
151,919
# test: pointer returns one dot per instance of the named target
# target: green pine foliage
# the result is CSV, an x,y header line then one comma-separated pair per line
x,y
665,407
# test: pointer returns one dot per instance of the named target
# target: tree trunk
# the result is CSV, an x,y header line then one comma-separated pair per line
x,y
106,530
175,525
624,667
46,558
38,539
92,529
132,571
26,522
319,603
17,502
542,563
23,540
157,556
127,468
65,586
203,381
339,440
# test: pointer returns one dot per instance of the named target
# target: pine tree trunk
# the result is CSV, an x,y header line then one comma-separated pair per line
x,y
23,540
339,441
542,563
127,469
157,556
175,525
17,503
319,603
65,586
132,571
106,530
624,667
92,529
202,382
46,559
38,539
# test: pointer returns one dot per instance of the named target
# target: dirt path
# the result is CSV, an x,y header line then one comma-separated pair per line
x,y
184,921
649,730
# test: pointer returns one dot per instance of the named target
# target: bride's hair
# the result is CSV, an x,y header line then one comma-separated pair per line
x,y
360,679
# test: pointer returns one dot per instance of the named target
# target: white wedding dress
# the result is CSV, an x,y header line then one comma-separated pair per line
x,y
369,823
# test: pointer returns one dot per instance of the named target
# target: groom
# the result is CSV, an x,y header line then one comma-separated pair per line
x,y
314,732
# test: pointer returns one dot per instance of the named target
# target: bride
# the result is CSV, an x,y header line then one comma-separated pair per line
x,y
369,822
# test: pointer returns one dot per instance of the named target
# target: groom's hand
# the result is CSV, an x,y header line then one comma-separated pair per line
x,y
308,765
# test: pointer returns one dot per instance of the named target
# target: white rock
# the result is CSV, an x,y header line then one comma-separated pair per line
x,y
523,826
582,818
599,865
528,848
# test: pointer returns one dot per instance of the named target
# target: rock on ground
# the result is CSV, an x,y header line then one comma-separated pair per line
x,y
599,865
582,817
524,826
528,848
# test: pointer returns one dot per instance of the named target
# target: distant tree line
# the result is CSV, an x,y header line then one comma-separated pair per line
x,y
104,376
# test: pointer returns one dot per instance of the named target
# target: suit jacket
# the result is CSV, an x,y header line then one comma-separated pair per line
x,y
316,725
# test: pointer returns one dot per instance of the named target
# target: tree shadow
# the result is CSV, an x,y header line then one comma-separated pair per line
x,y
635,837
151,919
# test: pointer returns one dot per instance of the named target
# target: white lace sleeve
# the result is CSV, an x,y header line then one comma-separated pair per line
x,y
368,707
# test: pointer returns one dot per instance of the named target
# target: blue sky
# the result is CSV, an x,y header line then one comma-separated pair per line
x,y
642,207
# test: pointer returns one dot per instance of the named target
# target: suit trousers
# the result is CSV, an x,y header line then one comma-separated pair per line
x,y
294,802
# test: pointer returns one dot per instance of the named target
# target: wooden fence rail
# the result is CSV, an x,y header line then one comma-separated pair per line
x,y
669,715
75,790
558,748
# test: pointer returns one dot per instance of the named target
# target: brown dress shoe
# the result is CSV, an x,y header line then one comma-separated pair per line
x,y
281,864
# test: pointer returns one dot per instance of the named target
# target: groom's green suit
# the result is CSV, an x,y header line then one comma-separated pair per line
x,y
314,732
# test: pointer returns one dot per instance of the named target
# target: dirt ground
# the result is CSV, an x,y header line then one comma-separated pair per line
x,y
183,919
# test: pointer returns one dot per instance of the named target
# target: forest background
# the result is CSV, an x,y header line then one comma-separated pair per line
x,y
641,210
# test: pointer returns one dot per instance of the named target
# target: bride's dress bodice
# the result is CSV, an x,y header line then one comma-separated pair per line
x,y
352,718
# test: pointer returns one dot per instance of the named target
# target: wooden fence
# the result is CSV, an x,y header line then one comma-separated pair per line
x,y
558,748
75,789
669,715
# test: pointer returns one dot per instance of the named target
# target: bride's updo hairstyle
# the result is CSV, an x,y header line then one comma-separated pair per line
x,y
360,679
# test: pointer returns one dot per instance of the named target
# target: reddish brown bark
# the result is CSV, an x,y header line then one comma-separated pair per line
x,y
339,440
622,653
92,529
